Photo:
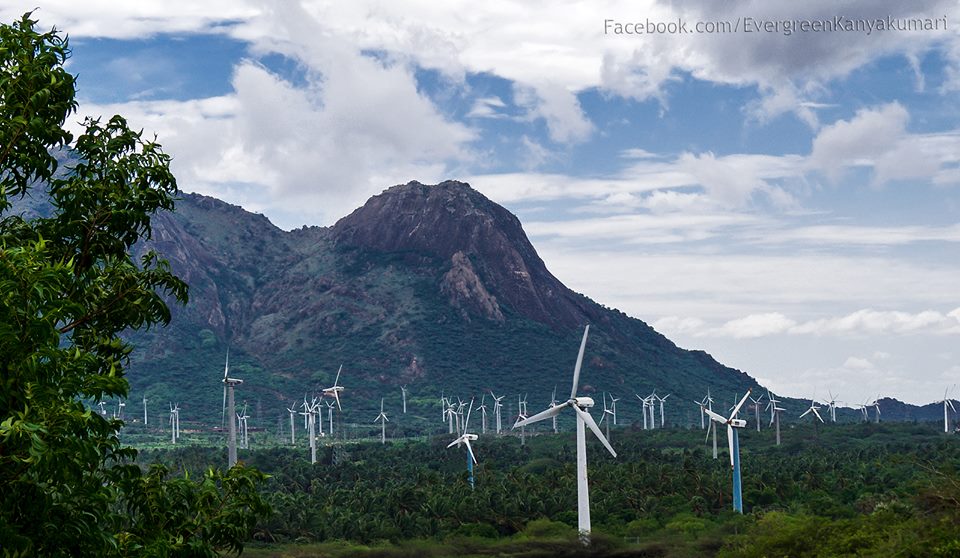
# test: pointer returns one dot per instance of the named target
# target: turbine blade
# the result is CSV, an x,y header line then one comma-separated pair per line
x,y
467,420
455,442
730,442
709,426
223,410
336,395
550,412
816,413
576,369
740,404
715,416
805,413
585,416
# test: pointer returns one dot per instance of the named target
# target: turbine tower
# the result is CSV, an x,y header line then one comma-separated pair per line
x,y
229,405
145,410
483,413
382,418
733,442
465,438
756,408
662,421
584,420
403,390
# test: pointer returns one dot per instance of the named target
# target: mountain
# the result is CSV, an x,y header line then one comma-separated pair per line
x,y
431,286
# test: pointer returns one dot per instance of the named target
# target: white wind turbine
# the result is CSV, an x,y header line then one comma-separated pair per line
x,y
383,420
229,405
706,406
733,442
584,420
145,410
521,416
465,438
815,409
403,390
120,406
496,410
335,390
946,417
774,413
662,399
876,407
863,409
293,429
756,408
483,413
607,414
643,401
242,422
103,408
329,417
174,422
311,411
832,406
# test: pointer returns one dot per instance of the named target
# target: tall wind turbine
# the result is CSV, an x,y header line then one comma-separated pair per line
x,y
607,414
579,406
553,403
229,405
145,410
876,407
733,442
946,417
403,390
465,438
383,420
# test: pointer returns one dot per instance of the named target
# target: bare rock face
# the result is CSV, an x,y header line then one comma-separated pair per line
x,y
466,291
445,219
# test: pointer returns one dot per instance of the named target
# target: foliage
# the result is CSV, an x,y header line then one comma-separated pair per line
x,y
69,288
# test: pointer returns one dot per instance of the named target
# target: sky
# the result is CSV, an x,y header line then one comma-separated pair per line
x,y
777,183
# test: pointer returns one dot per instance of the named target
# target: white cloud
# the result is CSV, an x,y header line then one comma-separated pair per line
x,y
559,108
487,107
755,325
318,150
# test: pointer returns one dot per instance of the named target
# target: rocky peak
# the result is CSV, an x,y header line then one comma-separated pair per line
x,y
452,218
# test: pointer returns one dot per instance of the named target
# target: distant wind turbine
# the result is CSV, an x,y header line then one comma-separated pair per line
x,y
229,405
403,390
383,420
946,417
335,390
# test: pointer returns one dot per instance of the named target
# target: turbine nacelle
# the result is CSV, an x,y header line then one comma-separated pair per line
x,y
738,423
583,402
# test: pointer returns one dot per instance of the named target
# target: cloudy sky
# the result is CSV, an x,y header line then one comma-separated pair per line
x,y
775,182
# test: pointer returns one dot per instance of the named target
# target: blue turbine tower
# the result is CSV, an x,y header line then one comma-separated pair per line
x,y
733,441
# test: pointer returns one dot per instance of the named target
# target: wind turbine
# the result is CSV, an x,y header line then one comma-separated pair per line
x,y
312,412
946,418
382,418
403,390
174,422
613,407
863,409
662,399
774,413
335,389
756,408
645,416
521,416
876,407
120,406
733,442
579,406
229,404
483,413
293,430
329,417
242,421
496,410
145,410
103,408
606,412
465,438
813,408
832,405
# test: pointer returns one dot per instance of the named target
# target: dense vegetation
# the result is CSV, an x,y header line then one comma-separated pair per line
x,y
840,490
69,287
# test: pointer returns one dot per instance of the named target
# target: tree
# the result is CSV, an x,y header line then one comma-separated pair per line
x,y
69,288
